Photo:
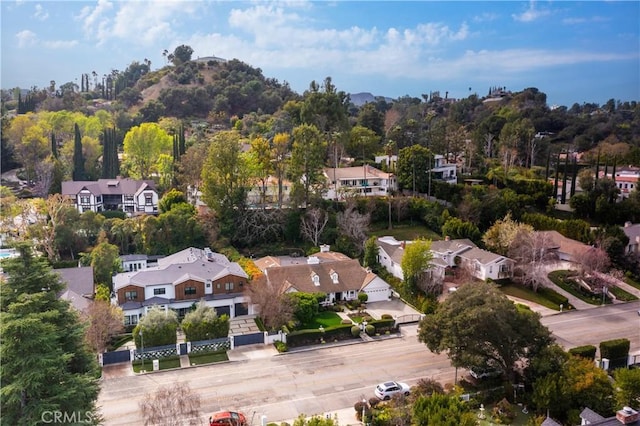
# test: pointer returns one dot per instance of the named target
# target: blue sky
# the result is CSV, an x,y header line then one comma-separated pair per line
x,y
572,51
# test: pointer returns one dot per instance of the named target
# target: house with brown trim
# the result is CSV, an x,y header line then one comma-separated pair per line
x,y
127,195
336,275
181,280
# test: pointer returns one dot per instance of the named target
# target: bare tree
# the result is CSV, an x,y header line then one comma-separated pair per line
x,y
275,307
313,224
105,321
259,225
354,225
43,178
171,405
531,251
595,260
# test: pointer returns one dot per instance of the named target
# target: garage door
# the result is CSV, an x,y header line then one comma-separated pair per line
x,y
377,295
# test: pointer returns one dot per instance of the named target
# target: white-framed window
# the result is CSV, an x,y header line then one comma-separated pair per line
x,y
228,286
159,291
148,199
84,199
131,295
188,291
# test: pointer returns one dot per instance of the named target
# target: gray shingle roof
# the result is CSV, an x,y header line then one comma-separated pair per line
x,y
190,263
107,186
453,246
482,256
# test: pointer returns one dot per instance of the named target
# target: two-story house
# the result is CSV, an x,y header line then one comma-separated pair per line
x,y
363,180
339,277
181,280
391,251
632,231
444,171
127,195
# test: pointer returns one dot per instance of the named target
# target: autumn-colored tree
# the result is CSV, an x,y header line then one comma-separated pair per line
x,y
105,321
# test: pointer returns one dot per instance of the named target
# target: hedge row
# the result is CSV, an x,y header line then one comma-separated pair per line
x,y
313,336
587,351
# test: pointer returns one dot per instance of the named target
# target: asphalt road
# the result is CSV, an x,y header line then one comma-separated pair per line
x,y
334,378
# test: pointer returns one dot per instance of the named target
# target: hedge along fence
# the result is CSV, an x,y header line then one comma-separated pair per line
x,y
587,351
554,297
383,325
315,336
616,351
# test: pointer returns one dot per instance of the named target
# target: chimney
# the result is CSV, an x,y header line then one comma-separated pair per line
x,y
325,248
447,238
627,416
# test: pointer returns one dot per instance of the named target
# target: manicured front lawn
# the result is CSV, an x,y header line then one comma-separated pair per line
x,y
560,278
165,364
532,296
632,282
406,231
324,319
622,295
208,357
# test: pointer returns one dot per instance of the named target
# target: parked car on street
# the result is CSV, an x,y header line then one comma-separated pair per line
x,y
387,389
227,418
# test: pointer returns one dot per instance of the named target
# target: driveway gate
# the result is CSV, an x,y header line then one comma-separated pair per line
x,y
248,339
115,357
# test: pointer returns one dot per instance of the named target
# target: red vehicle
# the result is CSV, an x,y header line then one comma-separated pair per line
x,y
227,418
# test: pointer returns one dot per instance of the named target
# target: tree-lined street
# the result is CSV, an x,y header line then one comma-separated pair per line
x,y
333,378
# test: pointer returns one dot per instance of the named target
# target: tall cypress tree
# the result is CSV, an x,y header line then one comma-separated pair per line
x,y
54,145
546,173
181,142
563,198
46,366
78,157
555,182
574,177
597,167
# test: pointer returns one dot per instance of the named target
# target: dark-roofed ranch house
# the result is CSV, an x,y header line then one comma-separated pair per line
x,y
339,277
127,195
179,281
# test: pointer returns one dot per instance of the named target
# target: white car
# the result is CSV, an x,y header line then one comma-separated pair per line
x,y
387,389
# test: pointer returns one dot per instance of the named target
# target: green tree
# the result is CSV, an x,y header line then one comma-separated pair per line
x,y
456,228
78,157
158,327
105,261
143,145
170,199
371,254
478,326
442,410
363,144
45,364
627,383
224,175
306,305
307,159
178,229
316,420
580,384
203,323
415,261
413,165
260,161
182,54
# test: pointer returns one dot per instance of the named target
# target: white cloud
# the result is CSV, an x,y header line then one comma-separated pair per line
x,y
531,14
60,44
26,38
40,14
577,21
486,17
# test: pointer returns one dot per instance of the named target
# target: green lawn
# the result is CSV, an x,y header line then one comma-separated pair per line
x,y
165,364
324,319
208,357
632,282
406,231
530,295
622,295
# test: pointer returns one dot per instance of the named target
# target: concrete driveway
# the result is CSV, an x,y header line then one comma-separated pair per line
x,y
393,307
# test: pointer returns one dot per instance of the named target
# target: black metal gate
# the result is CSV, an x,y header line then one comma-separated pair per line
x,y
115,357
183,349
248,339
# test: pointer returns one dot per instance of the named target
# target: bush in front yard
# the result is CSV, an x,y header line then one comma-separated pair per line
x,y
370,329
355,331
280,346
